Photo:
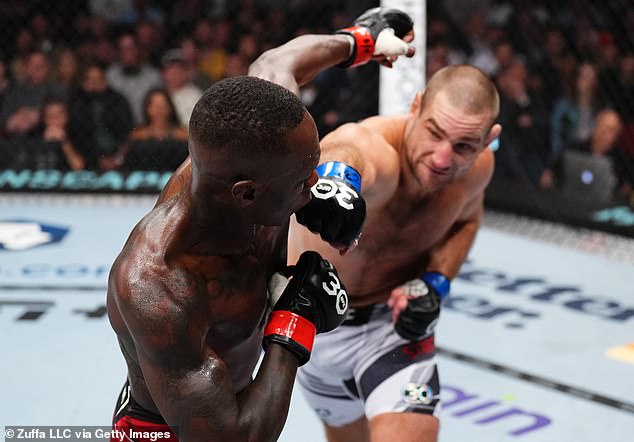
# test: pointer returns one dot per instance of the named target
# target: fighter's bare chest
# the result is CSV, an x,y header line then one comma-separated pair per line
x,y
406,229
236,293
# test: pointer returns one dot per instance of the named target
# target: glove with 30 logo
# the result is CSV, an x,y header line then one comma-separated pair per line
x,y
314,301
337,209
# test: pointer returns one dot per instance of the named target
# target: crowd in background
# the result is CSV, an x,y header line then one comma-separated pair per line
x,y
85,84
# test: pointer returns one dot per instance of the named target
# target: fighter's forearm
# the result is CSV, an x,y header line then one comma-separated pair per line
x,y
297,62
264,404
201,404
448,257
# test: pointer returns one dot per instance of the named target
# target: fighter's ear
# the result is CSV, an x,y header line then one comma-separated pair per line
x,y
417,104
245,192
495,131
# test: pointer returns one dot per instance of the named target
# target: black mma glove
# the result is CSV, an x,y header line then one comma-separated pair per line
x,y
314,301
419,318
378,31
336,210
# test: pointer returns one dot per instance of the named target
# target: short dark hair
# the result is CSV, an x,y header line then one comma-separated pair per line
x,y
173,117
242,112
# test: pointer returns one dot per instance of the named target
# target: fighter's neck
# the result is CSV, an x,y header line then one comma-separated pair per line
x,y
216,229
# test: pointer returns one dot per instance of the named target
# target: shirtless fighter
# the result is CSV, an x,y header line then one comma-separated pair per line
x,y
188,296
421,177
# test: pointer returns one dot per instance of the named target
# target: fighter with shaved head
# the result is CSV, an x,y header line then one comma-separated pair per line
x,y
421,178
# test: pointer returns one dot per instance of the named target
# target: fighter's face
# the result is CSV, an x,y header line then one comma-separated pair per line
x,y
442,142
290,190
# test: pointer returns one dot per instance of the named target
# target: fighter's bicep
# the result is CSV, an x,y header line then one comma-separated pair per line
x,y
183,391
182,373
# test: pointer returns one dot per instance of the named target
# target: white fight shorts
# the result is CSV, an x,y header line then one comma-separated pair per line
x,y
365,368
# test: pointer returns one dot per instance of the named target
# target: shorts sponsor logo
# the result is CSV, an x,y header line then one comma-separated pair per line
x,y
418,394
323,412
18,235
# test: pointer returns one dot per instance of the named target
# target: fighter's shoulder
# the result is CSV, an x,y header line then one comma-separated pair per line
x,y
154,300
480,174
145,282
368,134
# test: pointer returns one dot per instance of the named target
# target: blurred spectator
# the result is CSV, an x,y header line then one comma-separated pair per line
x,y
131,77
127,12
604,143
554,48
160,121
100,117
5,78
41,31
50,147
505,55
23,47
212,39
525,29
22,103
66,69
481,39
191,63
524,145
325,97
111,11
437,56
102,47
572,119
154,143
184,13
143,10
55,118
149,38
238,63
182,92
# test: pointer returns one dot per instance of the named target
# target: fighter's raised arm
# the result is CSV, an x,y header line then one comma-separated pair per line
x,y
379,34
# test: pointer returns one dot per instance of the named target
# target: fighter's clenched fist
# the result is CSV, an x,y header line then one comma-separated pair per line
x,y
337,209
378,33
314,301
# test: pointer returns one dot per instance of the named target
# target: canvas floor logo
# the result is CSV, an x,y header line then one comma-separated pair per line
x,y
17,235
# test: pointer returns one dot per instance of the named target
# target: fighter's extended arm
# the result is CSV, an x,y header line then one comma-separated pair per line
x,y
379,34
416,305
357,165
297,62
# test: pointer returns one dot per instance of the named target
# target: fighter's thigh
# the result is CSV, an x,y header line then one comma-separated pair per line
x,y
334,405
404,427
356,431
406,388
